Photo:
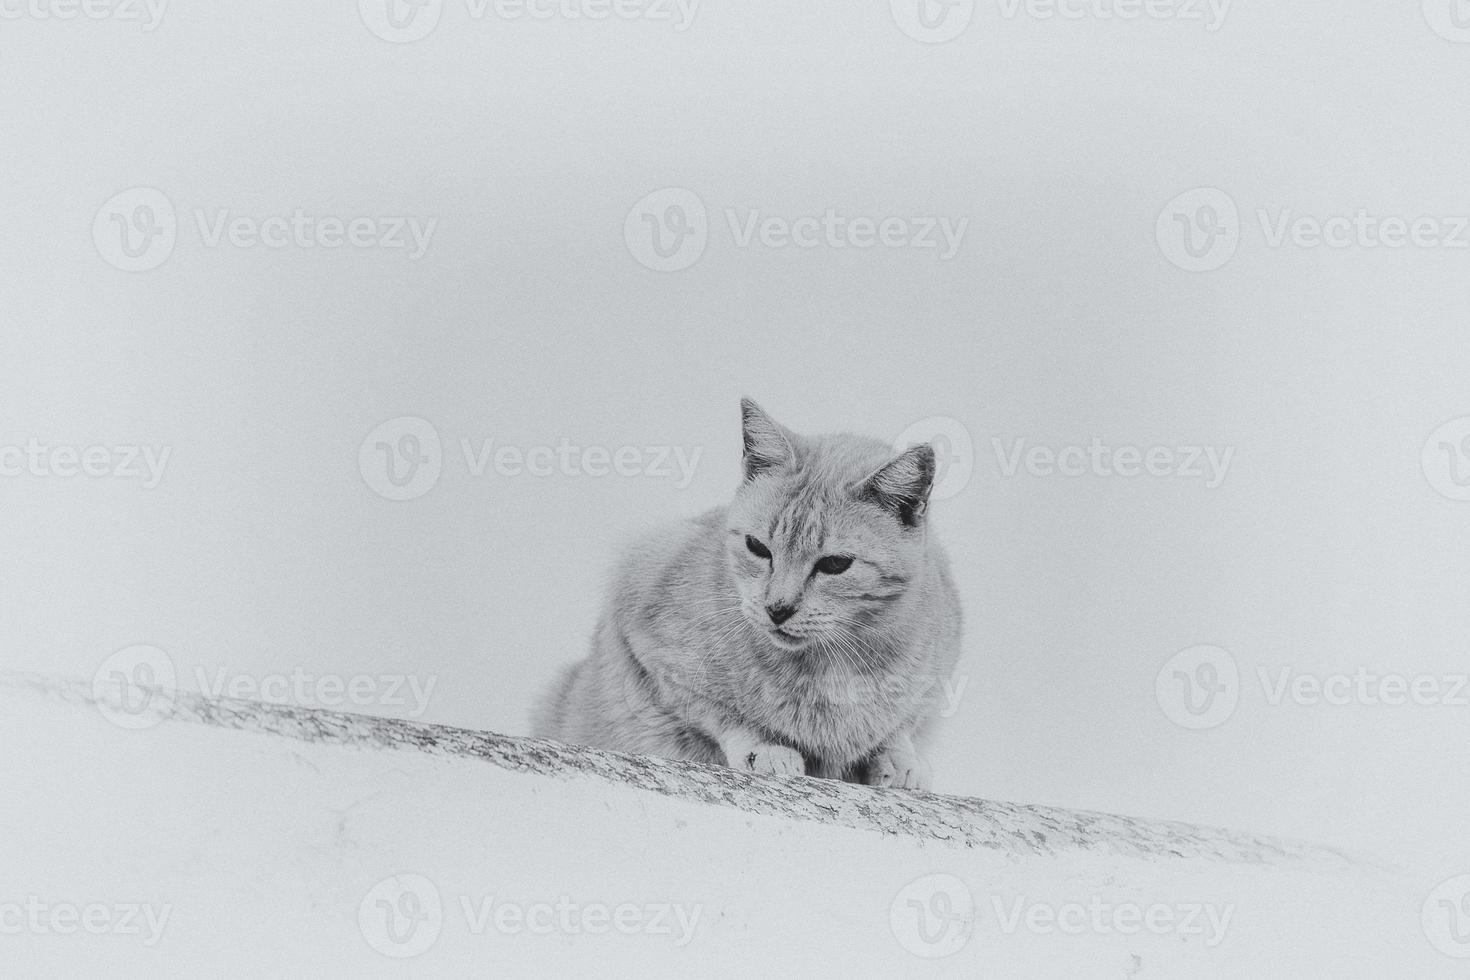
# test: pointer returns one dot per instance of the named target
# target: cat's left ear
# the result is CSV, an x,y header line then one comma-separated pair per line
x,y
766,444
903,485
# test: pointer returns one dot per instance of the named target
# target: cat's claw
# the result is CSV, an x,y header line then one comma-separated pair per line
x,y
771,760
898,770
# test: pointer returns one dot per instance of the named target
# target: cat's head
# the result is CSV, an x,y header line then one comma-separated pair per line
x,y
826,533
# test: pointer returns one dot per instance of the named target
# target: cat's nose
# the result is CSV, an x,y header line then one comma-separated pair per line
x,y
779,614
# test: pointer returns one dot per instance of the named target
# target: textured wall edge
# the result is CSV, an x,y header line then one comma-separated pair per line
x,y
960,821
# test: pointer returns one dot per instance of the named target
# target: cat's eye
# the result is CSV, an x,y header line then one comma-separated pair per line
x,y
834,564
756,548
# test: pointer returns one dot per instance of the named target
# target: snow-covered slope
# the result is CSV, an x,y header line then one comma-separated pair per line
x,y
192,834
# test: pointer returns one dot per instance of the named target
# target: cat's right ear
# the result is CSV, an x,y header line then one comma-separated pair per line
x,y
766,444
903,485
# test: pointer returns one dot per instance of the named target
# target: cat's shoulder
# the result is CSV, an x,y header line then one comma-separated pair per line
x,y
657,552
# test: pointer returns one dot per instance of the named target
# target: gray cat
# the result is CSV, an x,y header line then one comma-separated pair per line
x,y
806,628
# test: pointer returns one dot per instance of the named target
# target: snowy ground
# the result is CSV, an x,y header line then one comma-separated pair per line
x,y
286,842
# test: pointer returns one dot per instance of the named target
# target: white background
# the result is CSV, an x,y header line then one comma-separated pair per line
x,y
530,320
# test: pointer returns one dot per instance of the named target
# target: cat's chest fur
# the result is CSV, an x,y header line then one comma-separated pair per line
x,y
829,711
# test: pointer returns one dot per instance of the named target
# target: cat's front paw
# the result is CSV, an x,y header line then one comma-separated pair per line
x,y
770,760
899,769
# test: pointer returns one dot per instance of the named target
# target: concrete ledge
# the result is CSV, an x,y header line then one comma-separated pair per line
x,y
1009,827
299,841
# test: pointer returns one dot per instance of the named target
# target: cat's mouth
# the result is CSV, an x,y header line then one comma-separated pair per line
x,y
785,640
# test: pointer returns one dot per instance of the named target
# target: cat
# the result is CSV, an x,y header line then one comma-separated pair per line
x,y
804,629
